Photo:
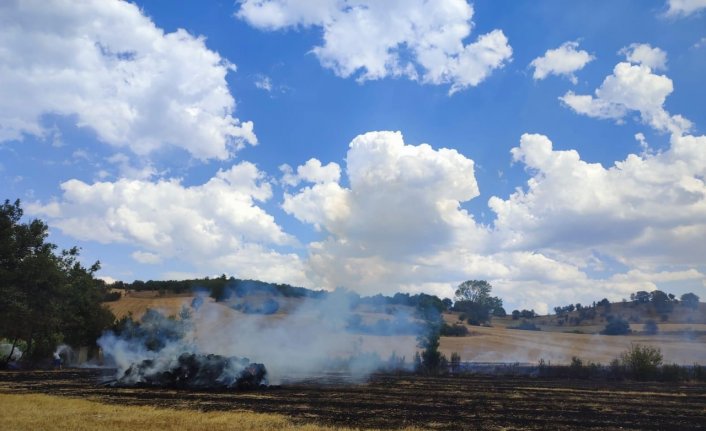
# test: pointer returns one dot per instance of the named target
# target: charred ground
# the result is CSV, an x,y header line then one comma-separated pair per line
x,y
393,401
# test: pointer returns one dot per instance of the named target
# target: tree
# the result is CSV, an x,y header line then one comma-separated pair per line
x,y
45,298
474,301
431,358
640,297
473,291
661,302
690,300
448,303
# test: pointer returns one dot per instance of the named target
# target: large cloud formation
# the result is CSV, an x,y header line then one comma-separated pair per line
x,y
215,226
399,223
402,208
108,66
421,39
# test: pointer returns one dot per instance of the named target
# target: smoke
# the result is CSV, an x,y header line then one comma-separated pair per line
x,y
305,338
7,353
64,355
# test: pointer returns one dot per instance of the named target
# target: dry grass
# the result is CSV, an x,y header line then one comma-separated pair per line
x,y
138,304
33,412
499,344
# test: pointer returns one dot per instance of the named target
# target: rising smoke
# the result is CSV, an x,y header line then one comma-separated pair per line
x,y
312,336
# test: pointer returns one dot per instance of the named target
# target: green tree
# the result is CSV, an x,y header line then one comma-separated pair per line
x,y
431,359
661,302
473,300
690,300
45,298
616,326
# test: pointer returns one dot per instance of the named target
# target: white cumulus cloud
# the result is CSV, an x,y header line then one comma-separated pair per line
x,y
631,87
420,39
644,53
565,60
402,208
682,8
216,226
645,210
108,66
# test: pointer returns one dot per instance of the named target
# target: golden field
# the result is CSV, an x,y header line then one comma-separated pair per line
x,y
35,412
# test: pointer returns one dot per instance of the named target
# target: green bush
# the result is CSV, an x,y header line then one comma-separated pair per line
x,y
641,361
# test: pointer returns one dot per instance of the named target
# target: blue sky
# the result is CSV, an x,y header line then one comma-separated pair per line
x,y
565,161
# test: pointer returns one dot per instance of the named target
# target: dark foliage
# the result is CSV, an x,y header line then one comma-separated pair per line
x,y
616,326
453,330
526,326
46,298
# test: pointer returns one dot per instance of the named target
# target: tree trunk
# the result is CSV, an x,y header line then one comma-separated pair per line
x,y
12,350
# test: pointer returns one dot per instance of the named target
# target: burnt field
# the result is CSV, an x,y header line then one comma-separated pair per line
x,y
391,401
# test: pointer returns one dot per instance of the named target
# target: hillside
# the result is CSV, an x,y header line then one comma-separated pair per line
x,y
683,343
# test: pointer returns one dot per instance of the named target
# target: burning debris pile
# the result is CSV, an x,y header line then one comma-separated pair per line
x,y
161,351
196,371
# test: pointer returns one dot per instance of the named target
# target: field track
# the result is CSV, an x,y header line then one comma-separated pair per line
x,y
388,401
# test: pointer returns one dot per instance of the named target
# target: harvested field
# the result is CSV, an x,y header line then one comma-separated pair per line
x,y
390,401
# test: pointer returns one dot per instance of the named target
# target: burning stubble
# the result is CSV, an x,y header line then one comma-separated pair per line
x,y
213,345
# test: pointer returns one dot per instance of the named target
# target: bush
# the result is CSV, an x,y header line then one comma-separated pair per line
x,y
641,361
616,326
112,296
455,363
453,330
526,326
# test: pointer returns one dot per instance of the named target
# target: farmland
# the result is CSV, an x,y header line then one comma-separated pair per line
x,y
681,343
396,401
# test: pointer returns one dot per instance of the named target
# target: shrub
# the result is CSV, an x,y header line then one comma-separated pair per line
x,y
526,326
453,330
455,362
641,361
616,326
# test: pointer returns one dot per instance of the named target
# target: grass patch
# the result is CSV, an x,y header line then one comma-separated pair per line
x,y
45,412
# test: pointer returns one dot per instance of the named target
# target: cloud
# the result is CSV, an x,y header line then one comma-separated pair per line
x,y
564,60
401,209
682,8
399,224
643,53
312,171
146,257
108,67
631,87
418,39
263,82
642,211
216,226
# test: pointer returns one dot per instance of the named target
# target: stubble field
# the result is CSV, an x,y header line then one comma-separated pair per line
x,y
399,401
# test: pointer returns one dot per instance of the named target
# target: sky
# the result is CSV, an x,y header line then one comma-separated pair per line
x,y
556,149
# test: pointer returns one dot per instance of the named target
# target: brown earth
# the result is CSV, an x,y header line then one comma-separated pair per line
x,y
390,401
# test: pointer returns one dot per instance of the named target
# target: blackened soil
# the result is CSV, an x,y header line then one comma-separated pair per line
x,y
390,401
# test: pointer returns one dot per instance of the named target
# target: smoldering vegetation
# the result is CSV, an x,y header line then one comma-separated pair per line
x,y
240,343
195,371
